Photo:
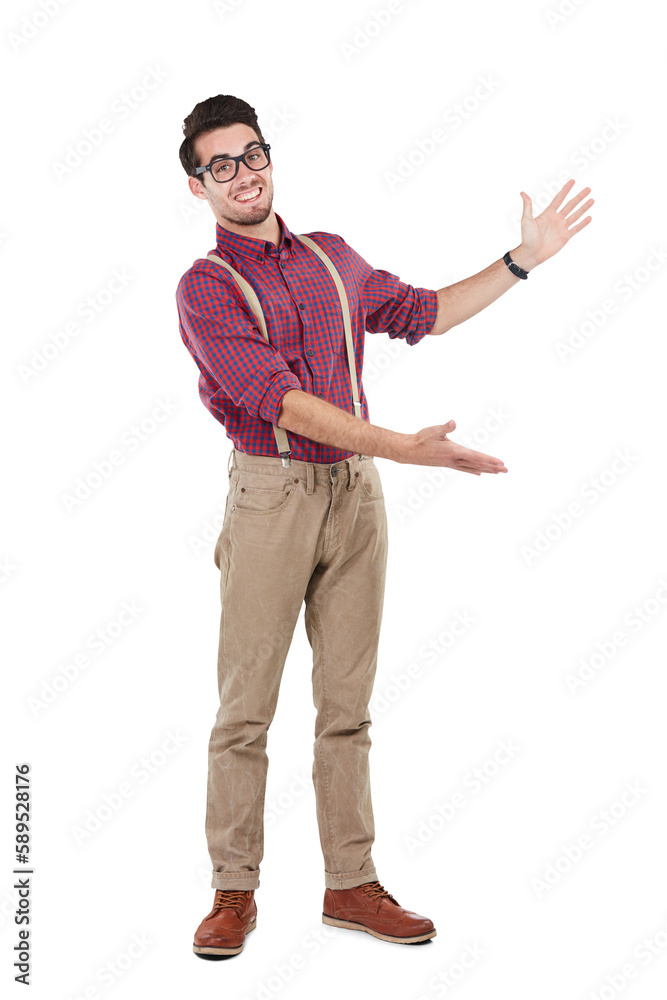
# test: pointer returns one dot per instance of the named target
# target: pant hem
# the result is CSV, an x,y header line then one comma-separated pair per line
x,y
349,880
235,880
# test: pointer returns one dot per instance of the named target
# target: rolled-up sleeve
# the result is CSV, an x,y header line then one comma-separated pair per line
x,y
391,306
222,335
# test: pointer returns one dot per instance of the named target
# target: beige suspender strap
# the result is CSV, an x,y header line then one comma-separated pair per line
x,y
346,318
282,441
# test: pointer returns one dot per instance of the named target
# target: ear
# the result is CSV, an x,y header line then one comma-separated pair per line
x,y
197,188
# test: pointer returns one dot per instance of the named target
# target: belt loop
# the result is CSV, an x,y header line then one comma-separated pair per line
x,y
310,477
230,462
351,478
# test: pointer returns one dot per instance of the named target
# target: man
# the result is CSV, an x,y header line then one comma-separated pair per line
x,y
310,526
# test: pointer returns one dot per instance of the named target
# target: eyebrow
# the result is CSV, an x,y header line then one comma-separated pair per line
x,y
253,142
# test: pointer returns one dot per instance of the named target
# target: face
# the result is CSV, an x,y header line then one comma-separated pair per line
x,y
224,198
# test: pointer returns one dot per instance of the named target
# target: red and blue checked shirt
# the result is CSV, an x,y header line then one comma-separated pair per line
x,y
243,379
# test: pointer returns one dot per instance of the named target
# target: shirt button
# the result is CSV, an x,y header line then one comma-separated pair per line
x,y
310,351
302,305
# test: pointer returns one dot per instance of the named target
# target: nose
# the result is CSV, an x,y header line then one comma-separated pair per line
x,y
244,171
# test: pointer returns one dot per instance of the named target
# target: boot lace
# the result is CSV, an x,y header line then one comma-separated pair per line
x,y
230,897
376,891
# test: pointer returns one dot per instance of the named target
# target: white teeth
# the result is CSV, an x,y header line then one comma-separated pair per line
x,y
248,195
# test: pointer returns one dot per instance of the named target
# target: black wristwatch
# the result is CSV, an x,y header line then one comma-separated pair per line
x,y
517,271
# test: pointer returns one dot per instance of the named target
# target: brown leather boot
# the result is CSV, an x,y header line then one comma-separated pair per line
x,y
370,908
223,930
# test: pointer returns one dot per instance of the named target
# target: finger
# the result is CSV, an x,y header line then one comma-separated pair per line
x,y
480,466
449,426
467,467
527,205
476,457
577,215
584,222
573,202
559,198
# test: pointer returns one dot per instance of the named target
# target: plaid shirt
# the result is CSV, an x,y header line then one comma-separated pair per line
x,y
242,378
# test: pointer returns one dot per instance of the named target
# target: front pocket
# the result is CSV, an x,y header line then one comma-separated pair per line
x,y
261,493
369,477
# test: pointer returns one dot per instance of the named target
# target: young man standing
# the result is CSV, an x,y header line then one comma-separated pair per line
x,y
306,521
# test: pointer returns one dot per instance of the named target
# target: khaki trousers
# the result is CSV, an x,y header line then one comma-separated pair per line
x,y
315,533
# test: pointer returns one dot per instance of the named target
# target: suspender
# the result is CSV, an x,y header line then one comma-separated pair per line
x,y
282,441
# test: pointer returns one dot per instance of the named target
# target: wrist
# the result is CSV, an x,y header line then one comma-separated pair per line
x,y
400,447
523,258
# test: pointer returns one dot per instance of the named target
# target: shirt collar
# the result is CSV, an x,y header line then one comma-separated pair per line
x,y
234,243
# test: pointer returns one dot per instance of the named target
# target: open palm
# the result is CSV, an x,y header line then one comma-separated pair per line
x,y
545,235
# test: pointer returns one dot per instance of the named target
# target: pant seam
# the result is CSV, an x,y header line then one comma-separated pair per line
x,y
325,713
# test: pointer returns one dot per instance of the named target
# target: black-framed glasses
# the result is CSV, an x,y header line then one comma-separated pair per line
x,y
225,168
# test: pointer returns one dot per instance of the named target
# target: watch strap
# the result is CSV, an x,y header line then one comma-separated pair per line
x,y
517,271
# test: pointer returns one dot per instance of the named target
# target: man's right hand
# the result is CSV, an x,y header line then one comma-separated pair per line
x,y
315,418
431,446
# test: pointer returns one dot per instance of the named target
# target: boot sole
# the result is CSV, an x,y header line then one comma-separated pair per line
x,y
212,950
335,922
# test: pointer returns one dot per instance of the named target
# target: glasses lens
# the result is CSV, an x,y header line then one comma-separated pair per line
x,y
223,170
257,158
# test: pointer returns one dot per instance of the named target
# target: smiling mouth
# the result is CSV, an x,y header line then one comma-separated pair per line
x,y
249,197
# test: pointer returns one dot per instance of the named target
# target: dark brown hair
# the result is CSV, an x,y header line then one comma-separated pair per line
x,y
215,112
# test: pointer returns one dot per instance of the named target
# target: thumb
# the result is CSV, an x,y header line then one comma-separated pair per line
x,y
449,426
527,205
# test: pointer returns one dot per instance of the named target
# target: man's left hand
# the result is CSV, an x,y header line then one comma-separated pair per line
x,y
545,235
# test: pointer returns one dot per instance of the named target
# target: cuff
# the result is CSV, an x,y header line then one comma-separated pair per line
x,y
269,406
428,298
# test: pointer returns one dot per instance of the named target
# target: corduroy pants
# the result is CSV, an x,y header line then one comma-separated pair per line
x,y
315,533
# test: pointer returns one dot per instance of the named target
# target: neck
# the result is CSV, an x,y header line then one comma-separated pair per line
x,y
269,229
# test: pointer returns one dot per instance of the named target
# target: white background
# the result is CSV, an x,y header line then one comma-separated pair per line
x,y
341,101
